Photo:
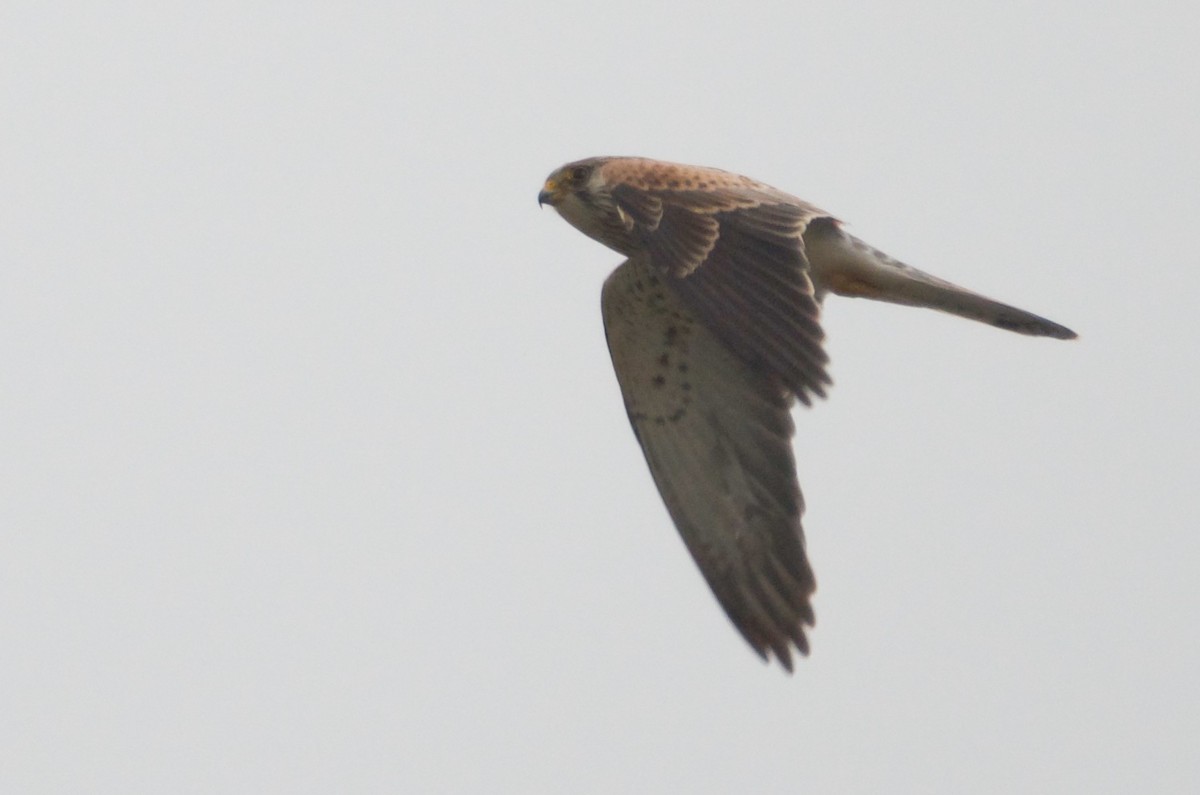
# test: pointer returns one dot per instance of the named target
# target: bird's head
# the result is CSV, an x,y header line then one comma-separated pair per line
x,y
582,195
572,180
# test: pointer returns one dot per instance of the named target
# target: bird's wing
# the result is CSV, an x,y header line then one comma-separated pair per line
x,y
735,255
716,432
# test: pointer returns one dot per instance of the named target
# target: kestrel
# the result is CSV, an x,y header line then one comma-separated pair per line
x,y
713,324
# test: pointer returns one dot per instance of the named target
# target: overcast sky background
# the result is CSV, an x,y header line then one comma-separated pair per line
x,y
315,476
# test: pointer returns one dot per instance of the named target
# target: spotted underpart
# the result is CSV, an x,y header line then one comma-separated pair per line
x,y
666,395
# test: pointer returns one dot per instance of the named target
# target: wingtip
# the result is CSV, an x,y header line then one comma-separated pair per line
x,y
783,653
783,648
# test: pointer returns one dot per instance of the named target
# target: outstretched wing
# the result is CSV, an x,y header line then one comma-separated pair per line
x,y
734,252
716,432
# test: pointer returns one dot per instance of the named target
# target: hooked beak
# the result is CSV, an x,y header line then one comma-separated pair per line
x,y
549,194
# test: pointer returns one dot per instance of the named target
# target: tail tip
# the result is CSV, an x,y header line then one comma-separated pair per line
x,y
1037,327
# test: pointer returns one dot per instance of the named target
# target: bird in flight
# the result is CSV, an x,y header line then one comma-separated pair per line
x,y
713,324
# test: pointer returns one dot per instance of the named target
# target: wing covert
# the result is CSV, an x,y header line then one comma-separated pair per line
x,y
735,256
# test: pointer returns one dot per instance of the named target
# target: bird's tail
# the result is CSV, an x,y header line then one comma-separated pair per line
x,y
845,265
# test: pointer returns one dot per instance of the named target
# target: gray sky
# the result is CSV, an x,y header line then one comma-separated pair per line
x,y
315,476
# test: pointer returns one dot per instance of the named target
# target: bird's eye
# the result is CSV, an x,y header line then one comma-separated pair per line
x,y
579,174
